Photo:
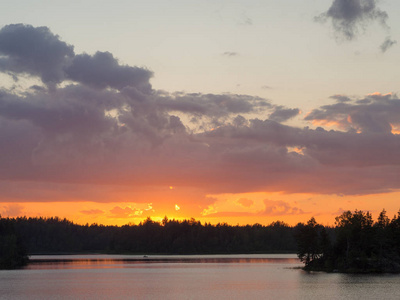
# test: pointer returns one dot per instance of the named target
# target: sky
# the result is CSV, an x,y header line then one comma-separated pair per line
x,y
224,111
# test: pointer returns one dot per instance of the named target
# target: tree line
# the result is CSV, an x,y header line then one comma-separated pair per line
x,y
12,252
355,244
359,244
56,236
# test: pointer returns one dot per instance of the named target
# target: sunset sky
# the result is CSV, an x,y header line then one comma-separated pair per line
x,y
225,111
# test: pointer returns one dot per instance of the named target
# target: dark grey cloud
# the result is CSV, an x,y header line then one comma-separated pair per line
x,y
376,113
35,51
331,161
101,131
213,105
282,114
340,98
350,17
387,43
145,144
102,70
70,109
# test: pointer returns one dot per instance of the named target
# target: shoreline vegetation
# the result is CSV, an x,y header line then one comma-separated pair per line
x,y
60,236
359,245
356,244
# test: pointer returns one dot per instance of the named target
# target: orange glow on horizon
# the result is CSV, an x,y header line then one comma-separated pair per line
x,y
242,209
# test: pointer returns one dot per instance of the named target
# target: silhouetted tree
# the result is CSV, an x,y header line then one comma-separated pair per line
x,y
12,252
308,247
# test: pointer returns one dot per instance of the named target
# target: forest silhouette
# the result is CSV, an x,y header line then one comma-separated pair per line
x,y
359,245
355,244
55,236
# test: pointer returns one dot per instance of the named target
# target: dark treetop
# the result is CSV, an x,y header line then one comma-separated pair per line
x,y
359,245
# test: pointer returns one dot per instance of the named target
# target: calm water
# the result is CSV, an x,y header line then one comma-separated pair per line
x,y
187,277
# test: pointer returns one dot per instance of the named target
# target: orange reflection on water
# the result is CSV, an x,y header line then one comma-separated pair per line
x,y
148,262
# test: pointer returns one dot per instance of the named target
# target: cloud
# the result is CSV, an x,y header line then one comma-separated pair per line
x,y
245,20
340,98
375,113
329,160
212,105
349,17
271,208
282,114
91,134
38,52
92,212
102,70
33,50
228,53
12,210
280,208
127,212
388,43
245,202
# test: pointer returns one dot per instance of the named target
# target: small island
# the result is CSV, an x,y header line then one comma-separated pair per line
x,y
356,245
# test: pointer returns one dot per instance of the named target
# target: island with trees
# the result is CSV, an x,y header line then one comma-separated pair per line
x,y
357,244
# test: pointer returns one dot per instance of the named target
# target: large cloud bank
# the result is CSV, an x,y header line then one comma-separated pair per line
x,y
96,121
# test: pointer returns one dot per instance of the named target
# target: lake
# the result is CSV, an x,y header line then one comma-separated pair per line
x,y
269,276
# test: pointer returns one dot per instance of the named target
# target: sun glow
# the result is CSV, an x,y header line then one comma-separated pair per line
x,y
241,208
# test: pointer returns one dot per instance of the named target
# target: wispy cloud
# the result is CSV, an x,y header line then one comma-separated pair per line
x,y
127,212
387,43
12,210
245,202
229,53
266,87
92,212
349,18
282,114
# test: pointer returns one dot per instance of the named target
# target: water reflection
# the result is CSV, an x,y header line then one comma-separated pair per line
x,y
186,277
104,262
317,285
